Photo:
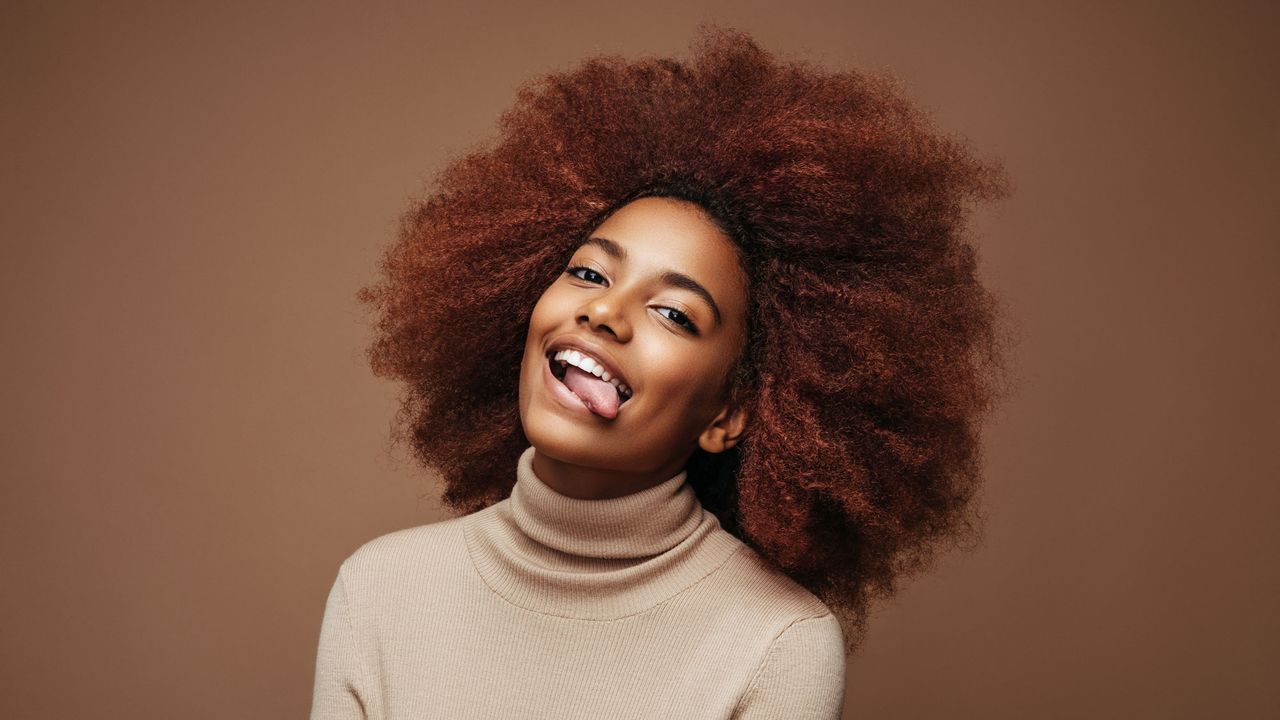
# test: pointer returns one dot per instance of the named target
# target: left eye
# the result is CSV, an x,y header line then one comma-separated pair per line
x,y
681,319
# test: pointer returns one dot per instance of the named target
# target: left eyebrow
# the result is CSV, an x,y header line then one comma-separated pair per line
x,y
670,278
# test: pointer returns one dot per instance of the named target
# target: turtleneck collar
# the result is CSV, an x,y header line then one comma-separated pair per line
x,y
595,559
643,523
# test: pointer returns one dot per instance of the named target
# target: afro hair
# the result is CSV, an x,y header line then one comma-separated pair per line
x,y
873,353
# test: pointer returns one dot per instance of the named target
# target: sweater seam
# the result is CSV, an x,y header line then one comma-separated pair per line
x,y
768,652
362,692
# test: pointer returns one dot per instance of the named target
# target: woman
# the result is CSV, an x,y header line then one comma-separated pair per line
x,y
700,352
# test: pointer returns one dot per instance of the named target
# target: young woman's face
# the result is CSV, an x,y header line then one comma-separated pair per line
x,y
657,294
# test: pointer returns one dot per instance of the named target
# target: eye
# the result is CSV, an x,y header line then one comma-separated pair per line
x,y
680,319
574,272
687,323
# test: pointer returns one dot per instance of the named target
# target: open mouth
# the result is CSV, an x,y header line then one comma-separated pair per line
x,y
560,369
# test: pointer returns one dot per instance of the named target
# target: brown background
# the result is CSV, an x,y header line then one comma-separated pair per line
x,y
192,441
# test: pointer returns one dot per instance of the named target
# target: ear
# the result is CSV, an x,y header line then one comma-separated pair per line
x,y
724,432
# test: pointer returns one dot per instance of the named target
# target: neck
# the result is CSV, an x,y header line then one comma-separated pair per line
x,y
587,483
594,559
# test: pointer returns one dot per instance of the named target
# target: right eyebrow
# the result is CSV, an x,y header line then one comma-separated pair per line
x,y
613,249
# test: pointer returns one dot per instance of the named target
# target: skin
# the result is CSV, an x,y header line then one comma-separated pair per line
x,y
679,379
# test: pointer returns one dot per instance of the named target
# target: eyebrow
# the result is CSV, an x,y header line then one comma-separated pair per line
x,y
670,278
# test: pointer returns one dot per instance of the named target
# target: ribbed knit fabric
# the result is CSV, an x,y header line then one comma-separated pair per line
x,y
547,606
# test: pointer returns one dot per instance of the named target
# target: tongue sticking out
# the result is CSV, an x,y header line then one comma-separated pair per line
x,y
600,397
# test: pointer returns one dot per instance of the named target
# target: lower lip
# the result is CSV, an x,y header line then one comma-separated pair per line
x,y
563,394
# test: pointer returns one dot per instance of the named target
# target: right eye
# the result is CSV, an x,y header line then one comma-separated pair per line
x,y
574,272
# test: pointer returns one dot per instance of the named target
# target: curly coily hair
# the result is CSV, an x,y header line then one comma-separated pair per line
x,y
873,351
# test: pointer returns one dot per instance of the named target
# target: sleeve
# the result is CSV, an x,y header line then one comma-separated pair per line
x,y
801,676
340,690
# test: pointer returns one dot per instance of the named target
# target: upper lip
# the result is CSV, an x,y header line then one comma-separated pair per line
x,y
592,350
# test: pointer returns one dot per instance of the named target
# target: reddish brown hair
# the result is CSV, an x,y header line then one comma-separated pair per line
x,y
874,349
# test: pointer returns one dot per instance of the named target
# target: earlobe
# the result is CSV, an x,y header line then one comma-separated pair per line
x,y
725,431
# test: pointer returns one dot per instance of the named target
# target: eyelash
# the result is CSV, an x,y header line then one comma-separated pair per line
x,y
687,325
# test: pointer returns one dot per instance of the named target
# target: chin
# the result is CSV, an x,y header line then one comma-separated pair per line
x,y
559,444
567,434
555,435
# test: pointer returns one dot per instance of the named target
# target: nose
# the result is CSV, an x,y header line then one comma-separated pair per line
x,y
605,313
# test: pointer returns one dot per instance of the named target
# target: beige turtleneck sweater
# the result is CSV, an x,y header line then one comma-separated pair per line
x,y
547,606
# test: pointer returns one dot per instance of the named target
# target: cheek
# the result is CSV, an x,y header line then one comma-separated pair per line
x,y
685,379
538,323
549,307
713,380
544,318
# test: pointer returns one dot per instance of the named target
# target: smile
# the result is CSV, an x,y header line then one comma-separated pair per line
x,y
553,375
561,360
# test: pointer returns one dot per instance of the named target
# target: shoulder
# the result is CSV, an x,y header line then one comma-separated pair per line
x,y
790,625
791,644
758,587
404,554
802,674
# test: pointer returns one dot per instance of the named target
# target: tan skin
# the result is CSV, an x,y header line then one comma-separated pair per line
x,y
679,378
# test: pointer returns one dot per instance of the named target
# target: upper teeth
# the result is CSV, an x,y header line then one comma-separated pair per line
x,y
589,364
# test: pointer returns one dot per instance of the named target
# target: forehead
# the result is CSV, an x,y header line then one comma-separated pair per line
x,y
661,234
